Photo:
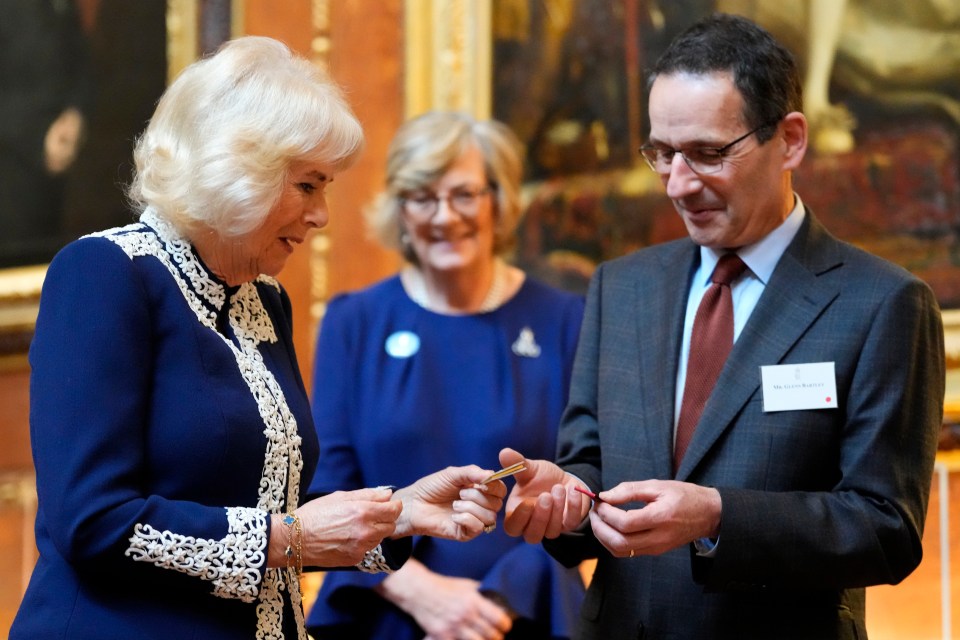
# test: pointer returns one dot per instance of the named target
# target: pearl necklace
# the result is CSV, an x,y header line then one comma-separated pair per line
x,y
495,294
493,299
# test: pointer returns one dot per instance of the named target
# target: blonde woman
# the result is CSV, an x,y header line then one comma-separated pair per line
x,y
455,357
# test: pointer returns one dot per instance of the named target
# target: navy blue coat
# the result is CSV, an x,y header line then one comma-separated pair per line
x,y
168,418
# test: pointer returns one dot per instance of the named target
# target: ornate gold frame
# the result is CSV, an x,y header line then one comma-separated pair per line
x,y
951,330
448,56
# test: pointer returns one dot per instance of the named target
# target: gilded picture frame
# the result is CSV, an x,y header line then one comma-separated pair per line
x,y
951,330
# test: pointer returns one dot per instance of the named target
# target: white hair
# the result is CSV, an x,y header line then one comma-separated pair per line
x,y
219,145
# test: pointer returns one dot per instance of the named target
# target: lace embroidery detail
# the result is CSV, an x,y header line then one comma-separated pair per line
x,y
374,562
270,606
231,564
271,603
270,280
283,461
246,311
182,254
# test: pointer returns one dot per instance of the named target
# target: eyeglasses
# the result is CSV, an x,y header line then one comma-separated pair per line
x,y
699,159
423,205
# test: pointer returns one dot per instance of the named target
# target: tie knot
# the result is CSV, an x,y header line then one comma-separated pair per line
x,y
728,269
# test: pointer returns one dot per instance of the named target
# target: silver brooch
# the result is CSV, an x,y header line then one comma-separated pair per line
x,y
526,345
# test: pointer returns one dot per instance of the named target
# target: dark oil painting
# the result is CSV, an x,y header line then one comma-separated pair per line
x,y
78,81
882,95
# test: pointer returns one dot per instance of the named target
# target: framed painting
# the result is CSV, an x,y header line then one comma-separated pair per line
x,y
883,170
881,93
89,75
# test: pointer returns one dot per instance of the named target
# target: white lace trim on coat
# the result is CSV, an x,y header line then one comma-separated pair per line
x,y
232,564
374,561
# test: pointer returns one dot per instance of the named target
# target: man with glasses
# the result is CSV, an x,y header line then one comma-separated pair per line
x,y
755,407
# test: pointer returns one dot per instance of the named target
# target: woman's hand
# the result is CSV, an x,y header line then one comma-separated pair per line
x,y
446,608
339,528
450,504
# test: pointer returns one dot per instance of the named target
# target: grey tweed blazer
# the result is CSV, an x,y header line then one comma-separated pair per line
x,y
817,504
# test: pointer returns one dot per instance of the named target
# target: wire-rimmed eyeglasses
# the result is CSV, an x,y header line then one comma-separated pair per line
x,y
699,159
424,204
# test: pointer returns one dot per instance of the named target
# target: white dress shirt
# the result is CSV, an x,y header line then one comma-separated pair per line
x,y
761,259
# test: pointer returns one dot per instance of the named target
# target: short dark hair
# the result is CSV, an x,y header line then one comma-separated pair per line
x,y
763,70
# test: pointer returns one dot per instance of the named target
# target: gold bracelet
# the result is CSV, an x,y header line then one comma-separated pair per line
x,y
294,550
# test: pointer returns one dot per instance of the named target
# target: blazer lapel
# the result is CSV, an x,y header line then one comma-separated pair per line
x,y
660,306
791,302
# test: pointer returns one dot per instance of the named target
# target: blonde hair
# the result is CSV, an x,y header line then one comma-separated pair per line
x,y
424,148
220,143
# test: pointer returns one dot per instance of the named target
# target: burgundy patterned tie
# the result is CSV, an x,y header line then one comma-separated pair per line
x,y
710,344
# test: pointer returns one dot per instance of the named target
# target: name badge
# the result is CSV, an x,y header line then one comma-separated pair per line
x,y
794,387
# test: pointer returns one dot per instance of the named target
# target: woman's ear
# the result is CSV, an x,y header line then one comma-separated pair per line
x,y
794,134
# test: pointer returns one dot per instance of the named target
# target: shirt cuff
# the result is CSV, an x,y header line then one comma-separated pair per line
x,y
706,547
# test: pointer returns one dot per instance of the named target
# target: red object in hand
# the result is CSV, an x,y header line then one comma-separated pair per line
x,y
589,494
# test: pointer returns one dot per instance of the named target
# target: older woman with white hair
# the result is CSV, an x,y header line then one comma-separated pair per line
x,y
455,357
170,427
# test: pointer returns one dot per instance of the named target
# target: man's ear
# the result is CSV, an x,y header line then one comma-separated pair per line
x,y
794,135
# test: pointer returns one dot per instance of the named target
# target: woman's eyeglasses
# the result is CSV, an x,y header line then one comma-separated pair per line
x,y
464,200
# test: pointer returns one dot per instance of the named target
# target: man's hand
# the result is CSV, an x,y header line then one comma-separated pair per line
x,y
450,504
674,514
543,503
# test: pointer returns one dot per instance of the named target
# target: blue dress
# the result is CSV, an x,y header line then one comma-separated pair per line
x,y
168,419
400,391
